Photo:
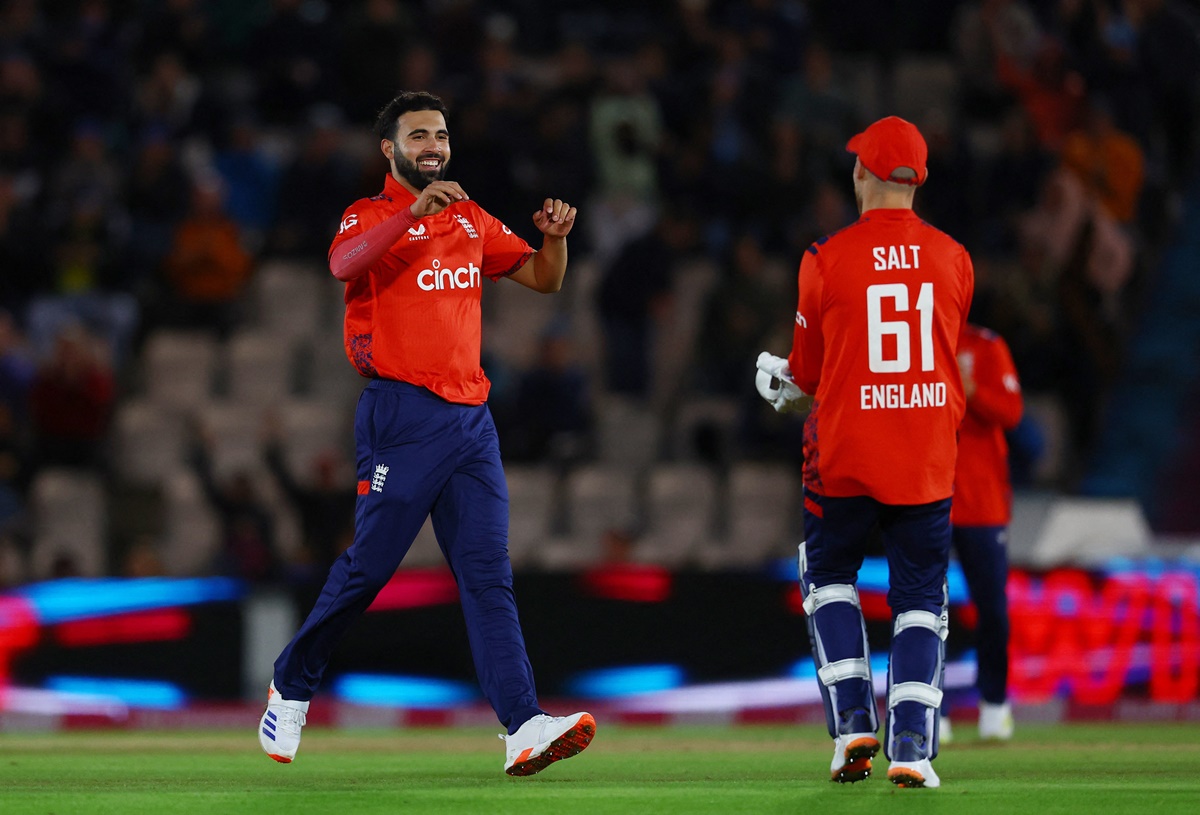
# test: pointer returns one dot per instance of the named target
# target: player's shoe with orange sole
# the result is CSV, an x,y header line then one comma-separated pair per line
x,y
543,740
852,754
910,767
279,727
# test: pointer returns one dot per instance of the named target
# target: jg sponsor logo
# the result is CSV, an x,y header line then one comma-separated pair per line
x,y
443,277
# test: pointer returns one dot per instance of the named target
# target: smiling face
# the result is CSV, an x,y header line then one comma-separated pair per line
x,y
421,150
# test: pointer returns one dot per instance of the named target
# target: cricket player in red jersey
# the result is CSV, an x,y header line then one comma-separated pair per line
x,y
982,510
414,259
882,305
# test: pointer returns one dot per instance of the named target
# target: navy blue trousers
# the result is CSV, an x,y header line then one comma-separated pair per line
x,y
983,554
421,456
916,540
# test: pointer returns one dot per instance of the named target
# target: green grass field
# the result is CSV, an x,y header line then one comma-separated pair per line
x,y
1046,769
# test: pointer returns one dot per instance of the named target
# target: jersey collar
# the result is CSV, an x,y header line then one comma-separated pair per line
x,y
397,191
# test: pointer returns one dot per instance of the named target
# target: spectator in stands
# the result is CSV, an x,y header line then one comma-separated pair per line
x,y
293,54
750,298
21,234
1109,162
15,475
373,42
157,198
71,401
813,113
207,268
251,176
247,547
87,266
323,499
626,139
17,368
553,416
981,32
1049,89
1011,179
321,172
635,294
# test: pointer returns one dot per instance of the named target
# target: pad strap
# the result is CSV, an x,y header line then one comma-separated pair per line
x,y
921,692
833,593
856,668
922,619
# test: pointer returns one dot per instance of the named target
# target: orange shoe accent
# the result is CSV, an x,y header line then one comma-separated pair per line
x,y
280,759
571,743
858,761
906,777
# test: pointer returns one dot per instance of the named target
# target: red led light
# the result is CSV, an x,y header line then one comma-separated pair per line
x,y
631,582
142,626
414,588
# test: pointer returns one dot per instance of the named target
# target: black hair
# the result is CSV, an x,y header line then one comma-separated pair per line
x,y
388,119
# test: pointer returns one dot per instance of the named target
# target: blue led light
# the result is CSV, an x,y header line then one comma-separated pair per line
x,y
403,691
625,681
133,692
77,598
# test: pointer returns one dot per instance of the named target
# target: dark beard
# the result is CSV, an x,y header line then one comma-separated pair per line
x,y
414,175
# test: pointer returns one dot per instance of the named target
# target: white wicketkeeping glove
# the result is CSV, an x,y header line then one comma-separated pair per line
x,y
787,397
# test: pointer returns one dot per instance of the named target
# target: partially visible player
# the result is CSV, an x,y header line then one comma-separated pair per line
x,y
982,510
414,259
882,305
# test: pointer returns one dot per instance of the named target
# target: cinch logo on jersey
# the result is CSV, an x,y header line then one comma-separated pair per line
x,y
381,471
464,277
467,225
929,394
348,222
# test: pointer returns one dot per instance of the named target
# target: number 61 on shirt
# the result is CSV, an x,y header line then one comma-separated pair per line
x,y
878,328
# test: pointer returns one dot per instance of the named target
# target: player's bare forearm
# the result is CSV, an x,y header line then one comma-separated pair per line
x,y
545,270
550,265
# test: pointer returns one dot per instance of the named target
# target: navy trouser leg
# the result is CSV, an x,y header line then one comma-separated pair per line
x,y
983,554
470,518
416,442
835,532
419,456
917,542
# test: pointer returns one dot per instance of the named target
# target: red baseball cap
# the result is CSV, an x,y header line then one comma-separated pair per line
x,y
888,145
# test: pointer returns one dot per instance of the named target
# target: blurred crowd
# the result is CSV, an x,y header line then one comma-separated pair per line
x,y
154,154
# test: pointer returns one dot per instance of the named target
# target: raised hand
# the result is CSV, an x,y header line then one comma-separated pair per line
x,y
555,218
436,197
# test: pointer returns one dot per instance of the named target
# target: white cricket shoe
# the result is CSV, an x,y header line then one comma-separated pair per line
x,y
995,721
279,727
543,740
852,754
913,774
910,765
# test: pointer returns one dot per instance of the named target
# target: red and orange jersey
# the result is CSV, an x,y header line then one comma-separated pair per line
x,y
882,304
415,316
982,492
